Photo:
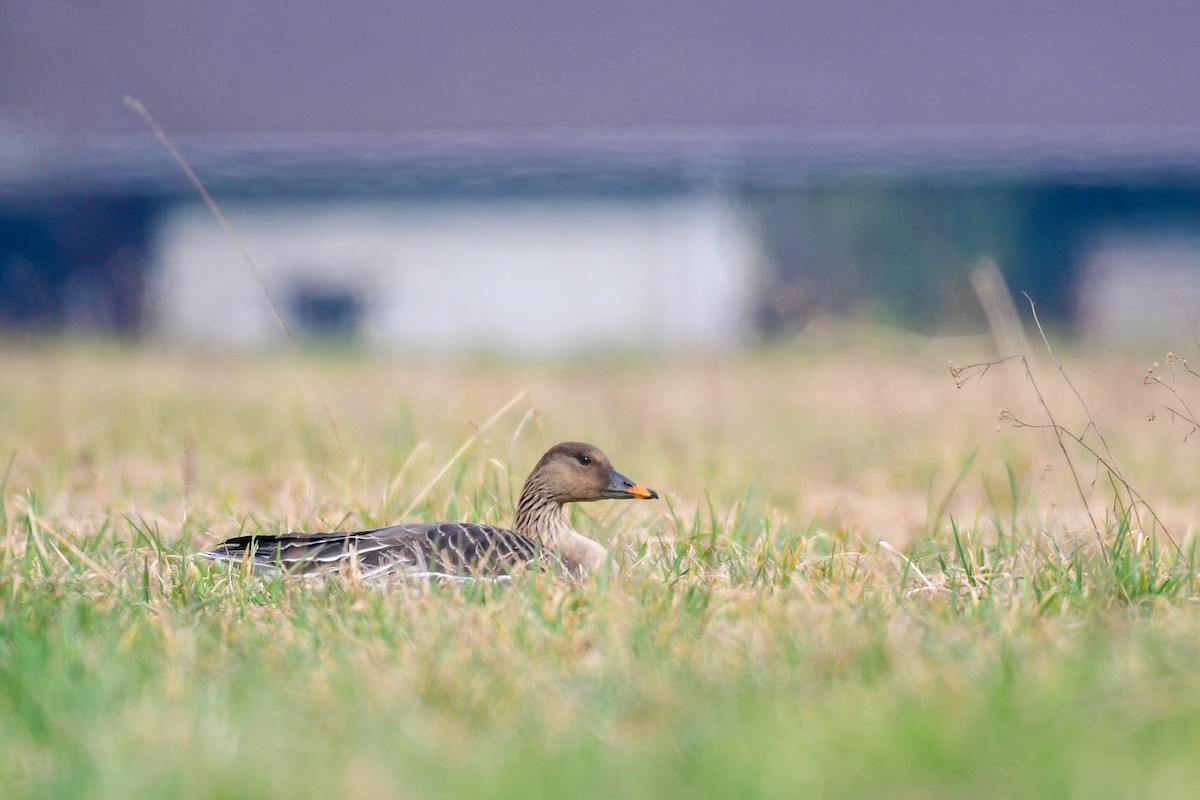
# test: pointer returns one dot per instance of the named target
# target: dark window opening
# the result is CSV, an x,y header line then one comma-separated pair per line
x,y
326,311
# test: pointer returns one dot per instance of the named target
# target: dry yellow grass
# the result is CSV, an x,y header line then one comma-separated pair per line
x,y
861,433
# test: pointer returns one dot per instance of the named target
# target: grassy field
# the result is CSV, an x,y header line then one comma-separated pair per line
x,y
859,582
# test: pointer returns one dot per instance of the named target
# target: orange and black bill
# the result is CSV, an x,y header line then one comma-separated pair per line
x,y
621,488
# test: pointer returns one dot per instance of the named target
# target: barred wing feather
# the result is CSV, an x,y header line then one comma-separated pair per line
x,y
446,549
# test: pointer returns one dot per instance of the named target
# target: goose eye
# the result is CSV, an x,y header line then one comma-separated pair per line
x,y
585,460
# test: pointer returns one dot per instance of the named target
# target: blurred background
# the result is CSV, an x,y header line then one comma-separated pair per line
x,y
547,177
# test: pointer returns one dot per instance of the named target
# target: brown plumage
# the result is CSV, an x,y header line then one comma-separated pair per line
x,y
570,472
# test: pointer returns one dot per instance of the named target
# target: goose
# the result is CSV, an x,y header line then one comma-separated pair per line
x,y
569,472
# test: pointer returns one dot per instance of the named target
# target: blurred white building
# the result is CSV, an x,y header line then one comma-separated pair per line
x,y
1141,288
528,275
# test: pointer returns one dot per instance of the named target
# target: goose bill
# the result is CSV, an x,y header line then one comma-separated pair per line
x,y
621,488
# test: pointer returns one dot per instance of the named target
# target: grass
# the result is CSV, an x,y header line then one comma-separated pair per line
x,y
855,585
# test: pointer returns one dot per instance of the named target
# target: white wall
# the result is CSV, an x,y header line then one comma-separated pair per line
x,y
529,275
1140,288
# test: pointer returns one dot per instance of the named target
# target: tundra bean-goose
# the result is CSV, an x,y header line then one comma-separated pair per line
x,y
570,472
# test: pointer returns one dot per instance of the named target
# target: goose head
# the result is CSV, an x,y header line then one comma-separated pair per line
x,y
574,472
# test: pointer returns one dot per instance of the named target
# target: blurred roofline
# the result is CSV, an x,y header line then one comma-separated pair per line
x,y
259,164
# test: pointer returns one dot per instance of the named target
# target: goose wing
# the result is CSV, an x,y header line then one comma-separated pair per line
x,y
438,549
